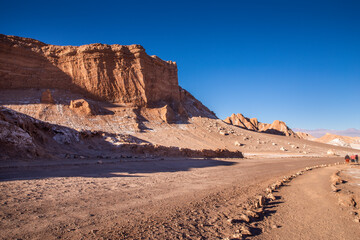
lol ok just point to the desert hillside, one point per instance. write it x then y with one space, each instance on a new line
337 140
110 100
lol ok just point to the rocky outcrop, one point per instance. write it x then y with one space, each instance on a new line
115 73
46 97
305 136
82 107
277 127
167 114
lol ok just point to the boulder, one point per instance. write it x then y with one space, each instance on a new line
167 114
283 149
331 152
81 106
46 97
237 143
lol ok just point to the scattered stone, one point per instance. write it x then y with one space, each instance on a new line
334 188
274 144
238 144
245 230
223 133
283 149
261 200
331 152
237 235
244 218
252 214
274 226
271 197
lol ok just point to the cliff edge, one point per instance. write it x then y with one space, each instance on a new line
114 73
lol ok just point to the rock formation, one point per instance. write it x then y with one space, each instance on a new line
305 136
277 127
82 106
46 97
167 114
116 73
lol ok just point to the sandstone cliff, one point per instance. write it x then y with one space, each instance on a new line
277 127
115 73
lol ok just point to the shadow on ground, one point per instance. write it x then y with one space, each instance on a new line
119 168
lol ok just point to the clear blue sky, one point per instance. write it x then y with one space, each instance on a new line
297 61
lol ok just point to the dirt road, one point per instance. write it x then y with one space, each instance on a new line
157 199
308 209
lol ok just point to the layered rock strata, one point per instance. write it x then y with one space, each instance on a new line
115 73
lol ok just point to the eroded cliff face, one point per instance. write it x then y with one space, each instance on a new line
115 73
277 127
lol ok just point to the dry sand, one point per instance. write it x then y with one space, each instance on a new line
158 199
307 208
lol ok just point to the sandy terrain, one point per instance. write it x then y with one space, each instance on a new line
161 199
307 208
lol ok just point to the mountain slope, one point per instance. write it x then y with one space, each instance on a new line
277 127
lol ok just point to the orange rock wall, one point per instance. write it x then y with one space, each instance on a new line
116 73
277 127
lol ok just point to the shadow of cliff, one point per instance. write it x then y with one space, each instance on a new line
59 151
110 169
274 132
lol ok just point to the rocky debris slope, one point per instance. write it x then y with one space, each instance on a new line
277 127
26 137
337 140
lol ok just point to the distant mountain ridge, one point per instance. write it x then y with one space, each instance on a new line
350 132
277 127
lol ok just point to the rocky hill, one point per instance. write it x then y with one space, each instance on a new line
337 140
277 127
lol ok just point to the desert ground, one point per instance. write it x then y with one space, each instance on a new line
172 199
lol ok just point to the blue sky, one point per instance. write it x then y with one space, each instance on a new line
297 61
